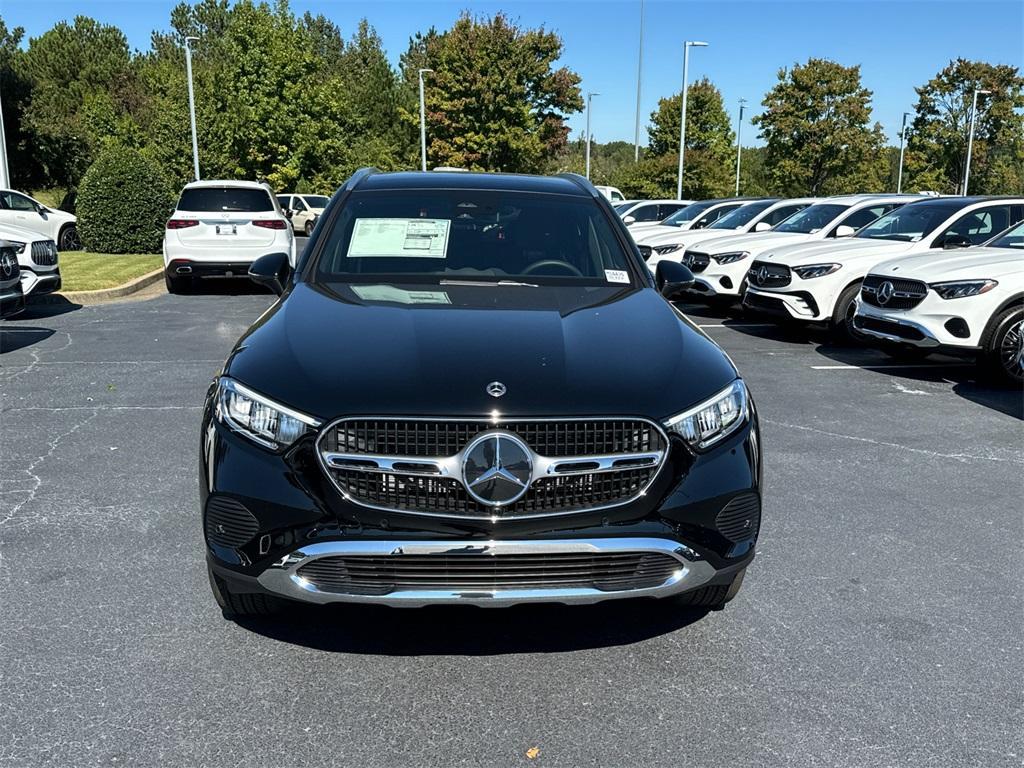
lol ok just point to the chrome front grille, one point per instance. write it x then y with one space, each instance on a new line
696 261
904 294
765 274
416 465
44 253
484 572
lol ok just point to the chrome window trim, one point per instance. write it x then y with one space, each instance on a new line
455 471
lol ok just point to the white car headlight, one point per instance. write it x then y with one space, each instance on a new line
816 270
18 246
959 289
258 418
661 250
729 258
717 417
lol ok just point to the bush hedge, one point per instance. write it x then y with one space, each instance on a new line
123 203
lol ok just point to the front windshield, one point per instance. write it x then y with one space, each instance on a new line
911 222
685 215
811 219
1011 238
742 215
316 201
473 236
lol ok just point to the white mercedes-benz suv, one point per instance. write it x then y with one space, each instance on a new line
694 216
720 266
219 228
819 282
37 259
964 301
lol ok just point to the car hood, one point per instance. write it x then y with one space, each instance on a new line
755 242
328 351
687 237
20 234
642 233
967 264
843 250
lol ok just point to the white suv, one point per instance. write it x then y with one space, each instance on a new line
37 259
19 210
639 212
720 266
695 216
819 282
303 210
963 301
219 228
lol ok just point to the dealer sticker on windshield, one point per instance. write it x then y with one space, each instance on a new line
616 276
400 238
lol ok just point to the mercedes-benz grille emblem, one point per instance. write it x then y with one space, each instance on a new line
7 263
497 468
885 292
762 275
496 389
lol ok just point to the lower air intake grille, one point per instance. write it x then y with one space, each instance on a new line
381 575
228 522
740 518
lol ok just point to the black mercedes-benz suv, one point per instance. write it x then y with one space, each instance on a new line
471 390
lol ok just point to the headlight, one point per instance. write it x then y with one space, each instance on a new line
15 245
729 258
816 270
704 425
961 288
661 250
258 418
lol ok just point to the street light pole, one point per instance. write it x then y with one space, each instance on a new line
423 123
639 72
903 138
739 146
192 104
589 97
5 178
970 136
682 117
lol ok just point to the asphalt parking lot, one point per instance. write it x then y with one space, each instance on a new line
881 624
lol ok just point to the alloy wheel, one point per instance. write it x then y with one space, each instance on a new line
1011 350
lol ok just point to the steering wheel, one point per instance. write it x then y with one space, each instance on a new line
553 263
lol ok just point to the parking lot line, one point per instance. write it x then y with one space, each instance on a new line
887 367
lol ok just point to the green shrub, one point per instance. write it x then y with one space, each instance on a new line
123 204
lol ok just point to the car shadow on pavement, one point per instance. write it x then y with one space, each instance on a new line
50 305
470 630
13 338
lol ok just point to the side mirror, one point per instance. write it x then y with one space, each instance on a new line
845 230
951 241
271 271
288 213
762 226
627 220
672 279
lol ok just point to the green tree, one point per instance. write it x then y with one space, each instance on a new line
495 100
82 95
22 161
710 149
818 132
937 146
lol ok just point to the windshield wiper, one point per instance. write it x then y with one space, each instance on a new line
489 283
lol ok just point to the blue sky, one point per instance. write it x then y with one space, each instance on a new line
898 44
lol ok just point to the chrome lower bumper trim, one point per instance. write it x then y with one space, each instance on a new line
928 341
282 578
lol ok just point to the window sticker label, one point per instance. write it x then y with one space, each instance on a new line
400 238
616 276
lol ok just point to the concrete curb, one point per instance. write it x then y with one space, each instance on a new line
108 294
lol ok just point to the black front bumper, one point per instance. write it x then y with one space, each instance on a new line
290 513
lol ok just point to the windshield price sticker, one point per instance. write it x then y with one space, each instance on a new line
400 238
616 276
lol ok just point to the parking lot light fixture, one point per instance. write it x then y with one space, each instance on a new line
589 97
970 136
739 146
903 139
687 45
423 123
192 103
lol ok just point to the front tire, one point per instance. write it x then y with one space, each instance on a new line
68 239
308 228
842 317
241 605
713 597
1003 346
178 285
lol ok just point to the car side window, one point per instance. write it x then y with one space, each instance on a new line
646 213
978 226
19 202
712 216
781 214
298 204
664 211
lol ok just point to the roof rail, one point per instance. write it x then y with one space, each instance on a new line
358 177
581 182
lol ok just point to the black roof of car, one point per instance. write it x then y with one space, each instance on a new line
559 185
